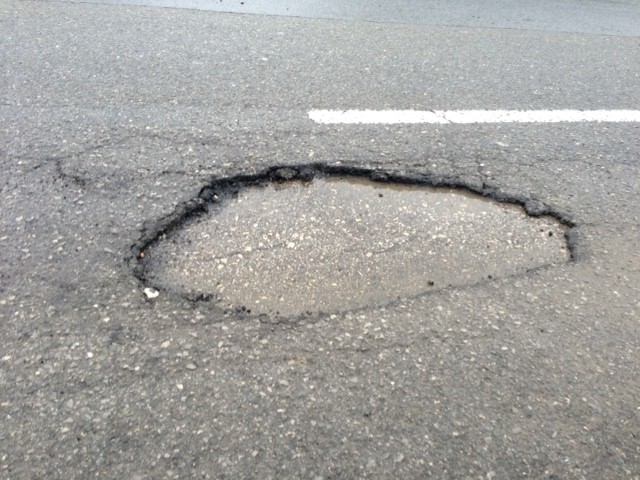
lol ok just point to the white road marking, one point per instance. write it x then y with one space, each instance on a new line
390 117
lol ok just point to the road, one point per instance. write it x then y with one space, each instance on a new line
111 116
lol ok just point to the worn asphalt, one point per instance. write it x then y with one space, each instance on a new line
113 116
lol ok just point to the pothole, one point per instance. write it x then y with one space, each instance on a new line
304 241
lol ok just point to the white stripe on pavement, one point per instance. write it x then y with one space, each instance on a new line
470 116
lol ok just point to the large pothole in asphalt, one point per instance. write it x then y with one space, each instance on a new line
299 241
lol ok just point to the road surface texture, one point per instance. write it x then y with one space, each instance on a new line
113 116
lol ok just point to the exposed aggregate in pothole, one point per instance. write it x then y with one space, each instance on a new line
310 242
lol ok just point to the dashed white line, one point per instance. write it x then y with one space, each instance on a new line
390 117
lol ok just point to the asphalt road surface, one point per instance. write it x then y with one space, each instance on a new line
112 116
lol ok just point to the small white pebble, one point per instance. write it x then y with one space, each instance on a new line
151 292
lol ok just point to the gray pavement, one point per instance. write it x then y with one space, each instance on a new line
605 17
111 116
